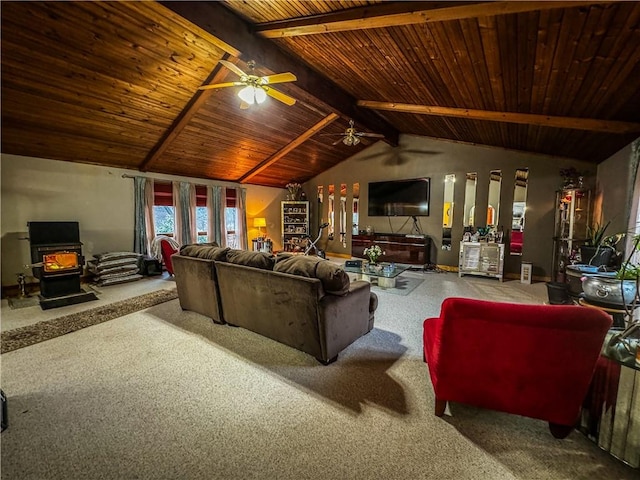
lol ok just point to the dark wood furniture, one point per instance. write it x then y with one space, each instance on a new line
399 248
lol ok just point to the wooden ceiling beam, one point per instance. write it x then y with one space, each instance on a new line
222 23
403 13
217 75
589 124
287 148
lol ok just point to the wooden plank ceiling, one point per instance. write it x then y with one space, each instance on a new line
116 83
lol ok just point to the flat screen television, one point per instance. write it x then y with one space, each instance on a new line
399 198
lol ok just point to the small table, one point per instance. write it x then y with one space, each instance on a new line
618 313
384 273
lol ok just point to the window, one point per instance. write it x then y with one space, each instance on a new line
202 214
231 218
164 213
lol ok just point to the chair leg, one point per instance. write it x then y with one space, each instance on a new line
441 405
560 431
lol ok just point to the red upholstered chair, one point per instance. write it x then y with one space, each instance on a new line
530 360
167 250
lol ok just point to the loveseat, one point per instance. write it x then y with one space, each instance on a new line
305 302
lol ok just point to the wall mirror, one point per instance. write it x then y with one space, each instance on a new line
320 199
447 210
355 209
331 213
493 210
470 199
343 214
519 208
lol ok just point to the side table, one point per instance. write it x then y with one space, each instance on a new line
611 411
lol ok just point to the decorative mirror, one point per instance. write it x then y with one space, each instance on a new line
332 224
320 200
493 210
447 211
355 208
343 214
519 208
470 200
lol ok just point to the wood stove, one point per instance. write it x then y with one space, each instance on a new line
57 261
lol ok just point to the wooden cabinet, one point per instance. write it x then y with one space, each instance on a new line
413 250
480 258
295 224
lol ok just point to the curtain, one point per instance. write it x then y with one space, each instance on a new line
216 205
241 218
144 229
148 210
184 200
140 228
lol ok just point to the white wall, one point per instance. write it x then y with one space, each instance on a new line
35 189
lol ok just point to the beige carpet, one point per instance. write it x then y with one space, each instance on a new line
167 394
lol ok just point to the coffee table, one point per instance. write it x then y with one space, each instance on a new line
384 273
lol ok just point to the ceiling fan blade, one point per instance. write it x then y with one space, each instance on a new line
284 98
372 135
244 105
220 85
279 78
337 142
333 134
233 67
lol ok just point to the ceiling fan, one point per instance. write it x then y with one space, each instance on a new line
351 137
256 88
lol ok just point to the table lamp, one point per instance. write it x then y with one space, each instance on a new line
259 222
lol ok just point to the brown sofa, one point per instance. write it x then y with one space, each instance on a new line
305 302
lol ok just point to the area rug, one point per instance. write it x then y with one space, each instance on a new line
48 329
404 286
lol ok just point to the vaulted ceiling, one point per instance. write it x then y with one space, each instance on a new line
117 83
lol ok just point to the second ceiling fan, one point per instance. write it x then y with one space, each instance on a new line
256 88
352 137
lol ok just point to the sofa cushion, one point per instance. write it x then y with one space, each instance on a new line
205 251
333 278
262 260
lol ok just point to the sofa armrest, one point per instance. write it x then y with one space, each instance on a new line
197 285
344 319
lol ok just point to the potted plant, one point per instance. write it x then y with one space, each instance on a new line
374 252
618 288
599 249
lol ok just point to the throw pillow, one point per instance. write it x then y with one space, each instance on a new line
207 252
333 278
262 260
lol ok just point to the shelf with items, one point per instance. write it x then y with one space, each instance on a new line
481 258
295 224
570 232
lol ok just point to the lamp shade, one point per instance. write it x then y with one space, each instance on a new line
259 222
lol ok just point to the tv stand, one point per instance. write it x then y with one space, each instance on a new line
400 248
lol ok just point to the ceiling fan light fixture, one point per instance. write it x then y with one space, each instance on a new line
260 95
350 140
247 95
251 95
